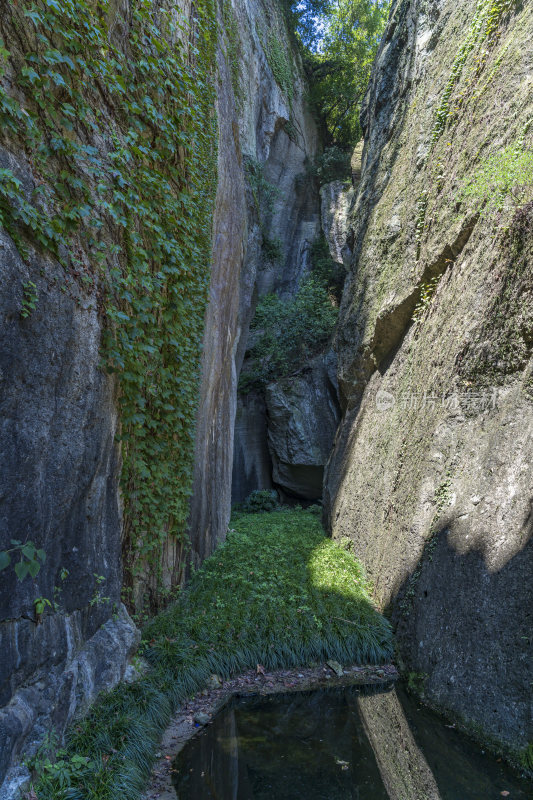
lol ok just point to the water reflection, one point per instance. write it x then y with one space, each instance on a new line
351 744
402 765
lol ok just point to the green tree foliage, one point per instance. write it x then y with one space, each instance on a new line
331 165
287 332
340 65
325 270
339 39
260 501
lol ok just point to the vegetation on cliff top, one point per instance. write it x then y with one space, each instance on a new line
339 39
286 333
277 593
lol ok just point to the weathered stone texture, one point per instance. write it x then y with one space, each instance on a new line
303 415
252 465
251 126
435 495
65 689
335 202
60 468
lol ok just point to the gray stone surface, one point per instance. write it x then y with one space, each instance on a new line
211 499
251 127
66 689
303 415
335 200
435 495
59 476
252 465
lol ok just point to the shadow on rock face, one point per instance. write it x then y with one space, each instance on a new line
467 628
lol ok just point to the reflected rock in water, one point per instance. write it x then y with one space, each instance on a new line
359 743
301 746
402 765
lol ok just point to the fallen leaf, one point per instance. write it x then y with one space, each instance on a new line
260 670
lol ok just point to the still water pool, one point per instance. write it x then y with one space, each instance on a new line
350 744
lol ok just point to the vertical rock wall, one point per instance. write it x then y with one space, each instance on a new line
431 476
260 123
60 469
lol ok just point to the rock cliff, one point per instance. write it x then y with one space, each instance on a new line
64 634
431 476
61 419
266 218
60 471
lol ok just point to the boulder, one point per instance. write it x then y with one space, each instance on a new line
303 414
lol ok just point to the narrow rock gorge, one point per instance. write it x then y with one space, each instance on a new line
194 310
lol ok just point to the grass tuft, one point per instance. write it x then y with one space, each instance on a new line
278 593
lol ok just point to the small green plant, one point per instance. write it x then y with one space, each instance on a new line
40 604
280 62
30 561
98 598
56 773
29 299
483 28
416 682
525 757
261 500
291 130
63 575
505 177
497 9
427 290
421 210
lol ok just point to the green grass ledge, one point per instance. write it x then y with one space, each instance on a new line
278 593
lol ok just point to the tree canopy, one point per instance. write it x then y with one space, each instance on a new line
340 39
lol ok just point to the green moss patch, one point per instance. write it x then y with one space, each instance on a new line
277 593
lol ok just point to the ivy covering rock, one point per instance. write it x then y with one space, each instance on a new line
116 118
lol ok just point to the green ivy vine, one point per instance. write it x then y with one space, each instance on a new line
483 28
115 118
279 59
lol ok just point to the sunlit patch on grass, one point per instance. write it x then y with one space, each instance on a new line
276 593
